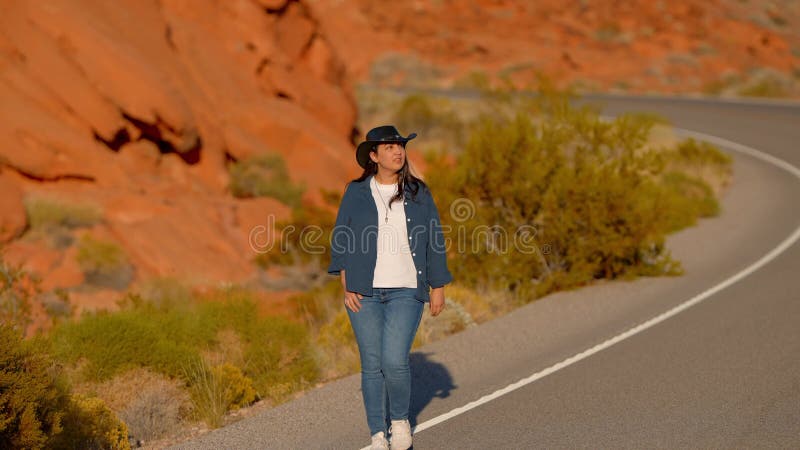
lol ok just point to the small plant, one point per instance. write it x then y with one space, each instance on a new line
216 390
453 319
49 213
17 289
766 86
477 79
104 263
264 176
90 424
150 404
57 305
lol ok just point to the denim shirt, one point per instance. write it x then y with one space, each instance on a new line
354 239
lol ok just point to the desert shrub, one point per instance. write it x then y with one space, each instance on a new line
553 197
109 343
104 263
57 304
216 390
90 424
278 358
453 319
722 84
165 292
228 348
50 213
482 304
207 392
38 410
167 337
151 415
17 289
765 86
239 390
33 393
264 176
478 79
150 404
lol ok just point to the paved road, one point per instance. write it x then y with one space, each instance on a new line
723 373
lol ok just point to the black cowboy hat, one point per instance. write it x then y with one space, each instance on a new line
379 135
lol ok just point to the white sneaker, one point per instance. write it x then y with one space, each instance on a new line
379 442
400 431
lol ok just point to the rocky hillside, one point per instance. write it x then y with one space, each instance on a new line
728 47
134 109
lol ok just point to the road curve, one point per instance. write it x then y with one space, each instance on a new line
724 372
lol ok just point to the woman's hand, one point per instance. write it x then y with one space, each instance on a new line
437 300
351 300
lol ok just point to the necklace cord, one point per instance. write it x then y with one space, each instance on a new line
386 208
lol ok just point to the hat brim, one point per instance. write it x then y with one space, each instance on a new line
362 152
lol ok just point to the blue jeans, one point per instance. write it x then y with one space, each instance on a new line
385 327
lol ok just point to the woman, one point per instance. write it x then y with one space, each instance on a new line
388 248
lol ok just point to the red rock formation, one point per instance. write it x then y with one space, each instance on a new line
138 105
638 46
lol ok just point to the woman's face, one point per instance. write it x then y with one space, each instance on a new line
390 156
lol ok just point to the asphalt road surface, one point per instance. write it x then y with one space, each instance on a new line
723 372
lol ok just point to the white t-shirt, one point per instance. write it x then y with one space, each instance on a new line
394 266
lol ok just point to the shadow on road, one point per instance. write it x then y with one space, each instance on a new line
429 379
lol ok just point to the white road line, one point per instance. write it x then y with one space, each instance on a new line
785 244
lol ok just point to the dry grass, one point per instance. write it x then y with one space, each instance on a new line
229 349
150 404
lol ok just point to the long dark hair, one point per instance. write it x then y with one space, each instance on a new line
405 178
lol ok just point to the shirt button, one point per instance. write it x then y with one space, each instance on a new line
420 272
409 220
413 254
405 203
409 237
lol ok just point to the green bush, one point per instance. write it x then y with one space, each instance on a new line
110 343
33 394
36 408
47 213
770 87
17 288
104 263
90 424
264 176
588 198
217 390
168 337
